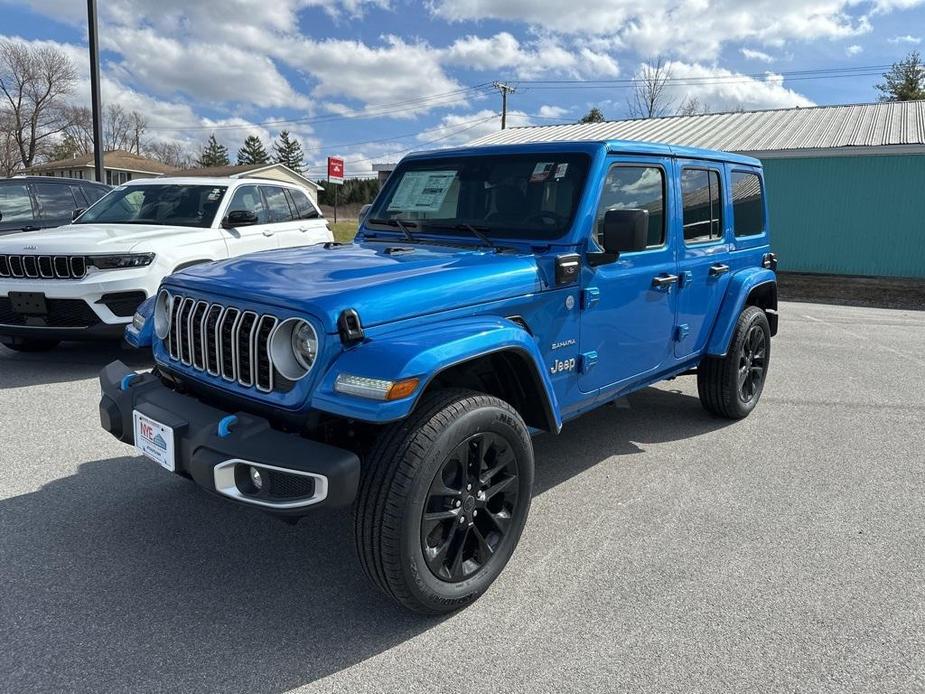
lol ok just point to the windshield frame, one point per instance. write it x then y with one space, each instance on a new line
127 189
454 227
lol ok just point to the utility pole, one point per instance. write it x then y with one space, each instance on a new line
95 90
504 89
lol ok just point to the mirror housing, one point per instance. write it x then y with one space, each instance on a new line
239 218
364 211
76 213
625 231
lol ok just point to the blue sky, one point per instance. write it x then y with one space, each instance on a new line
370 79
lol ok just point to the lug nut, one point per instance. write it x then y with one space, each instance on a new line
469 487
475 513
458 503
462 519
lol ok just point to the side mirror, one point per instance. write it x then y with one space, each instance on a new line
364 211
239 218
625 231
76 213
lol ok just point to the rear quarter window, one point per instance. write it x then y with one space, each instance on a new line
747 204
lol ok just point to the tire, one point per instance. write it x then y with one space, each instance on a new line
719 385
414 467
29 344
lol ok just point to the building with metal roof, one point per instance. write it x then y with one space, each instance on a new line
845 184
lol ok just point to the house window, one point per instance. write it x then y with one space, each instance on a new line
702 205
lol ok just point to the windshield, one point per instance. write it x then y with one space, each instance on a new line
512 196
169 204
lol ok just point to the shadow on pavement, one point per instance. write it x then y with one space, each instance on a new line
123 577
70 361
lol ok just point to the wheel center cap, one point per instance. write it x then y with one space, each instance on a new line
469 504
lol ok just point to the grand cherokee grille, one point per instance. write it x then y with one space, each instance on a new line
222 341
48 267
62 313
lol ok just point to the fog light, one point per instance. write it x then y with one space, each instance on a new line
256 478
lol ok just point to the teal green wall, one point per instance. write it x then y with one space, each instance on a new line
862 215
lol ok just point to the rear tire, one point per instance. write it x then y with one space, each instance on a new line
425 537
29 344
731 386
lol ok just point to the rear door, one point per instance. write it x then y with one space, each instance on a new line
252 237
56 203
628 306
312 227
16 210
284 222
703 261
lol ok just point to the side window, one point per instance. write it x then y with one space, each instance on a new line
79 196
702 205
747 204
248 198
303 205
276 201
15 204
55 201
632 187
93 193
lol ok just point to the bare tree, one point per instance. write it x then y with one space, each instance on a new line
121 129
9 150
692 106
650 97
33 84
171 153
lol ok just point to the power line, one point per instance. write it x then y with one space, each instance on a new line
505 89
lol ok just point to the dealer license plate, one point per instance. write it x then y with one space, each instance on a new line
154 440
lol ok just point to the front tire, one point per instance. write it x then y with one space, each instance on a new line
443 499
731 386
30 344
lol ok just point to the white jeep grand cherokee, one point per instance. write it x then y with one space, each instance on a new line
85 280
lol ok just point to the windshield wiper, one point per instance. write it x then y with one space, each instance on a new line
478 233
396 223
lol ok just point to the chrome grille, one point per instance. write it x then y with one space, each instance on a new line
222 341
62 267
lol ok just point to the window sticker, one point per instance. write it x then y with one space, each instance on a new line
214 194
422 191
560 171
542 171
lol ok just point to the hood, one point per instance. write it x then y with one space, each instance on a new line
382 286
88 238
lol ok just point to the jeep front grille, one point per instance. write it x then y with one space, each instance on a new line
47 267
222 341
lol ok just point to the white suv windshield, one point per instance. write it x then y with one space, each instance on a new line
168 204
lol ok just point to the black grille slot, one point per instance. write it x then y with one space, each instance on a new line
285 486
196 325
244 340
183 322
30 265
226 333
62 313
123 304
173 343
78 266
263 366
16 266
211 338
4 266
62 267
46 269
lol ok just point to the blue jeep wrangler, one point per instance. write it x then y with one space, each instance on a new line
492 293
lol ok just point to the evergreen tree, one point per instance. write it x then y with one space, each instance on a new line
253 152
213 154
595 115
905 81
67 148
288 151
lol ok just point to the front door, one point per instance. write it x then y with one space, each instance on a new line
704 252
628 306
253 237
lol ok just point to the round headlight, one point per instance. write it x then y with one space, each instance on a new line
294 348
162 310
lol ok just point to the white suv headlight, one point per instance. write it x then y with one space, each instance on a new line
163 309
294 348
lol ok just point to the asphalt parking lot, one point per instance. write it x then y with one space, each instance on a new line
666 550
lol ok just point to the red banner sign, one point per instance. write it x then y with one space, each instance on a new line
335 170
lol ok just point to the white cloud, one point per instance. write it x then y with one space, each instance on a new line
546 111
908 38
752 54
459 128
699 28
854 49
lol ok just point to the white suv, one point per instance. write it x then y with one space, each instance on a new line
85 280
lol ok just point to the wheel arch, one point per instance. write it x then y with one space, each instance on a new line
751 287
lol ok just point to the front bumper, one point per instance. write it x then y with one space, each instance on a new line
216 462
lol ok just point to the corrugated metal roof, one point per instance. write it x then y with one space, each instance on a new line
819 127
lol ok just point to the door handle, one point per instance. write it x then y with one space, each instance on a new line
269 233
717 270
664 281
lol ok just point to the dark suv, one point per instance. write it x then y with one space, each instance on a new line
29 203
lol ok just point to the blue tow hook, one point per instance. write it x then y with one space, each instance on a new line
224 426
127 381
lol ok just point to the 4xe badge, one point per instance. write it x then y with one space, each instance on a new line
563 365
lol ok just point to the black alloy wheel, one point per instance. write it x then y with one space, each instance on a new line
469 507
752 363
